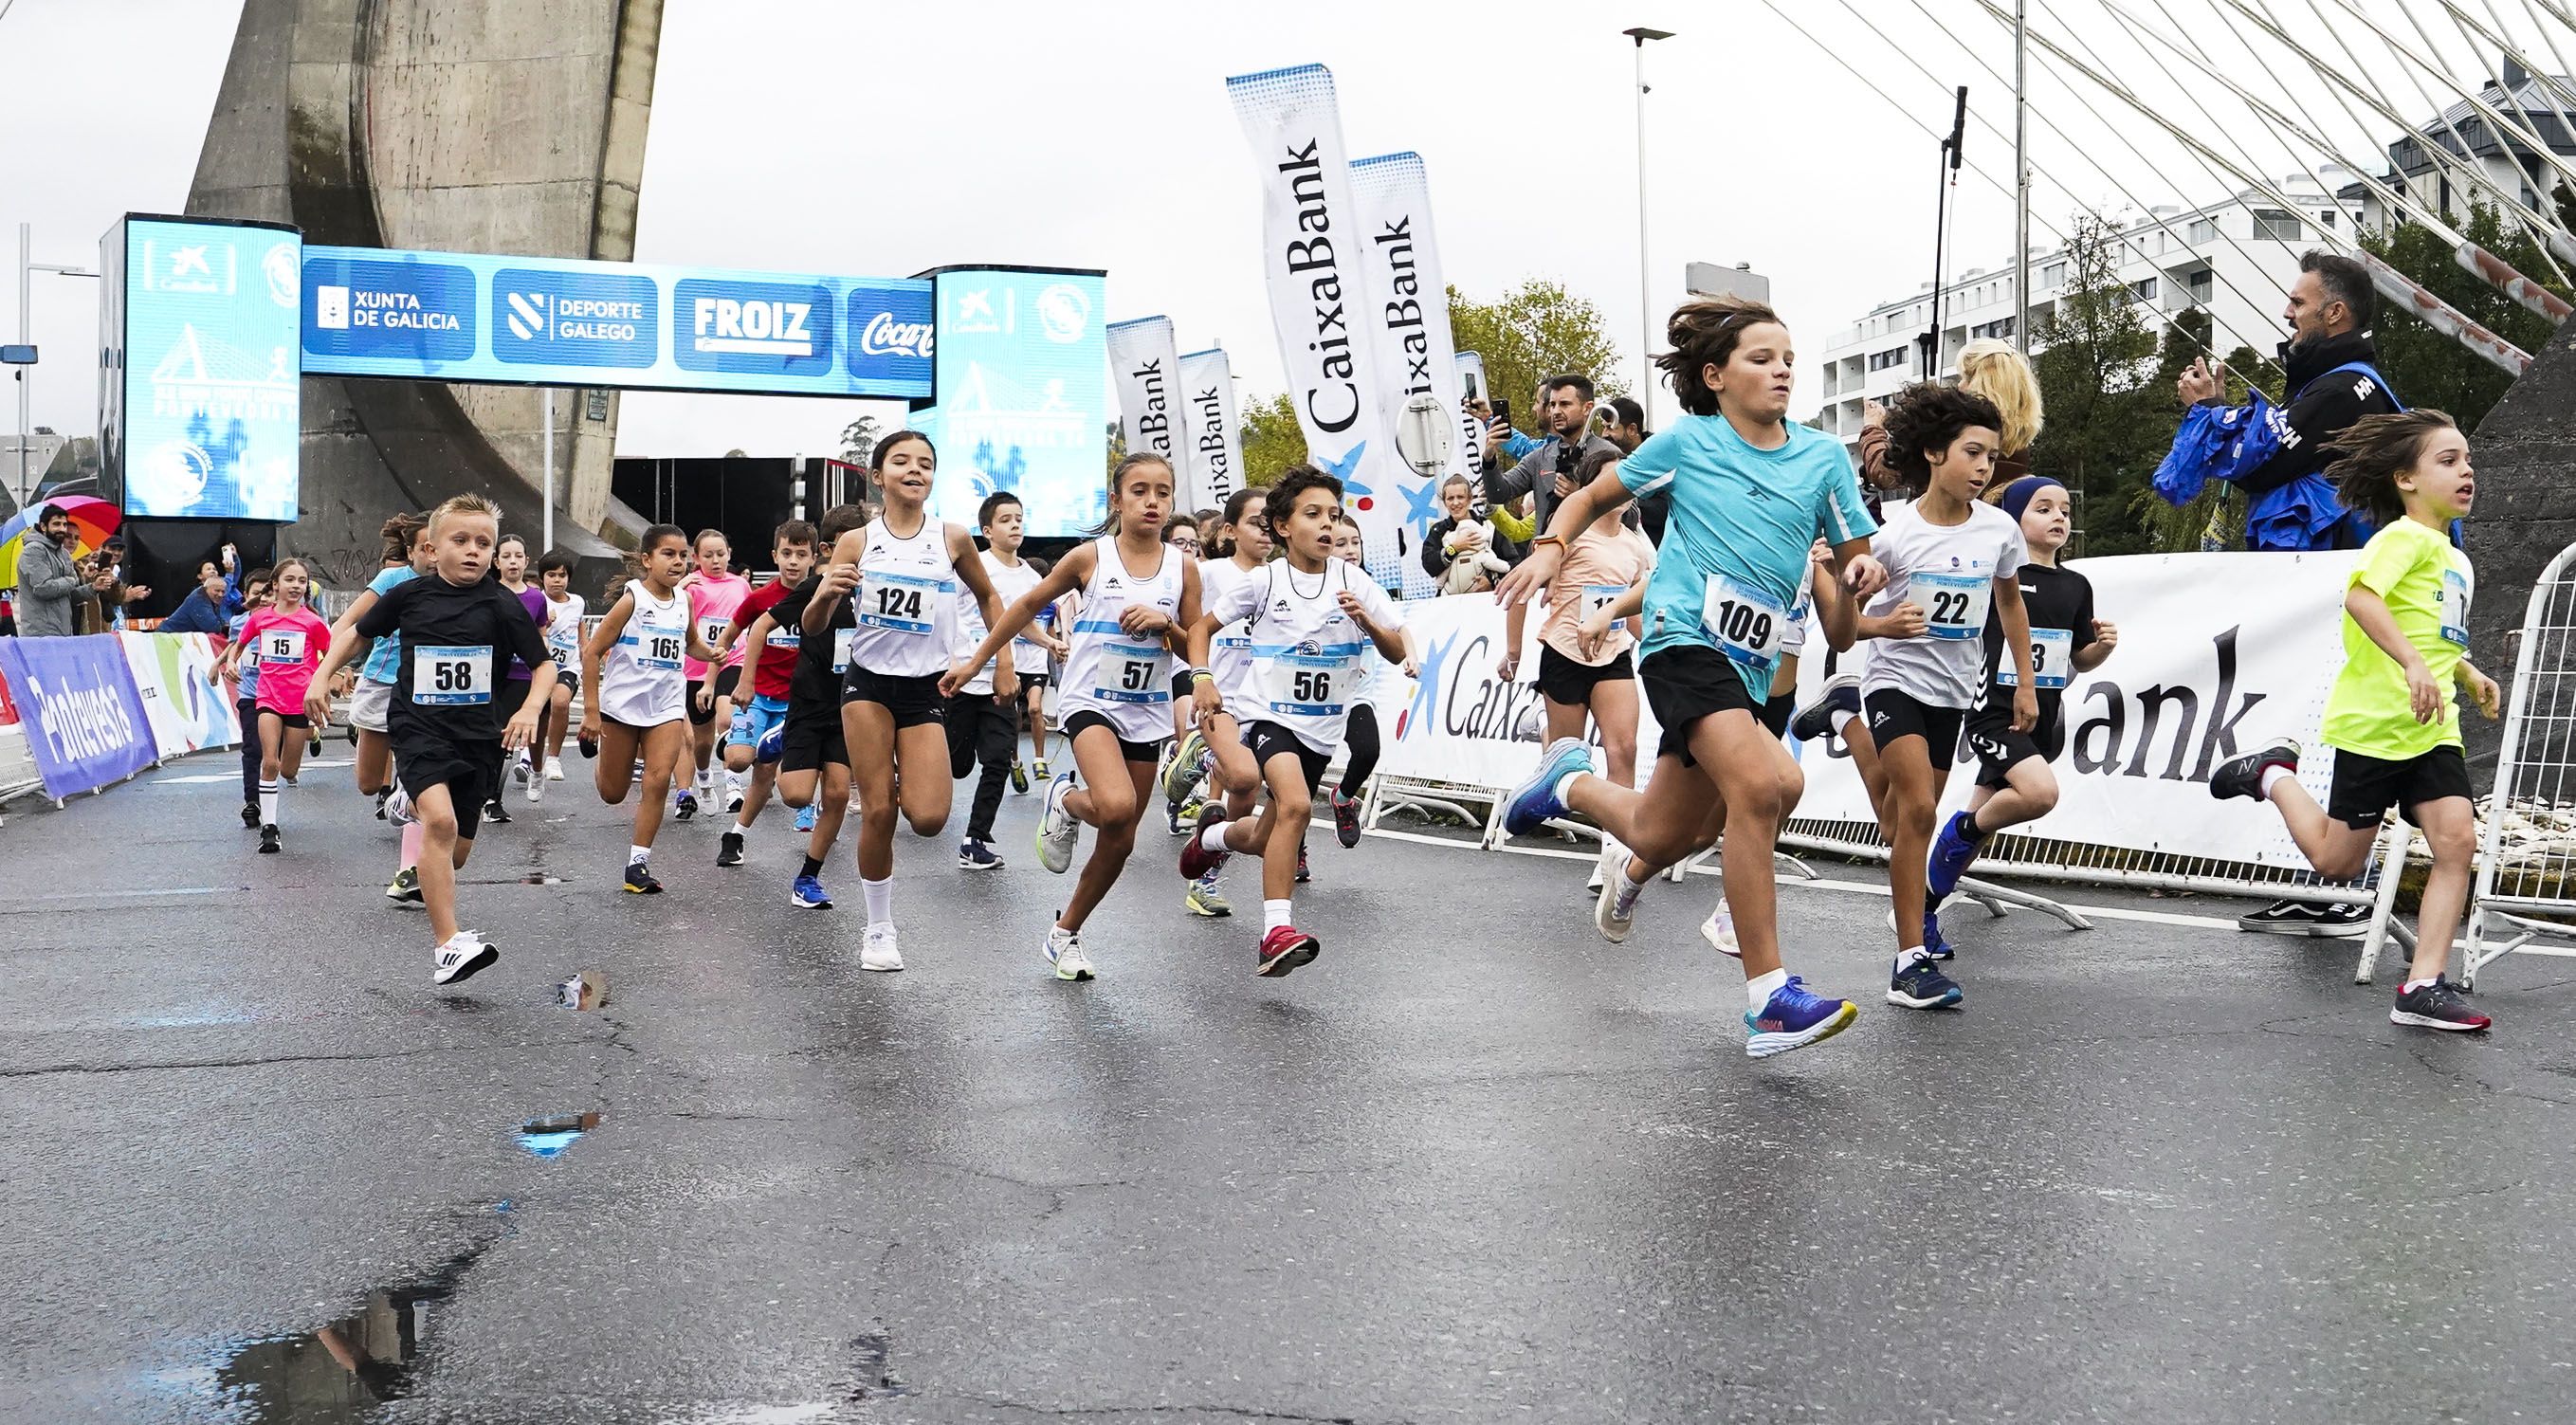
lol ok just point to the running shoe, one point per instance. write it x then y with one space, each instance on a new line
405 889
1206 900
1283 950
1952 850
1614 914
1180 819
1057 830
733 805
1304 876
640 882
1719 931
250 816
1037 769
807 894
729 849
688 807
1793 1019
496 813
462 957
1020 778
398 808
1197 862
2307 918
536 790
1841 694
1181 774
877 950
2436 1006
805 816
1933 944
269 844
520 773
554 769
1921 985
380 804
1346 819
2243 776
1064 951
975 855
1534 803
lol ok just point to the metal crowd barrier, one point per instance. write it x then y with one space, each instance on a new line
2522 899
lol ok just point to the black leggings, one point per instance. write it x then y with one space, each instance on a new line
250 748
1361 737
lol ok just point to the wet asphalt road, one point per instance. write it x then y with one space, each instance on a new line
1471 1165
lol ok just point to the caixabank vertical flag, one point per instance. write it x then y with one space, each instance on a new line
200 413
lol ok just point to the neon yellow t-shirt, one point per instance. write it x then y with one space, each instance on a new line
2427 584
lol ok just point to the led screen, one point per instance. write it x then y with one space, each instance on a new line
1022 372
208 422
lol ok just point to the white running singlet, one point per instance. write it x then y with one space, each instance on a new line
906 603
640 680
1230 652
1125 679
1307 657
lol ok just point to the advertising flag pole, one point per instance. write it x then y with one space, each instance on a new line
550 469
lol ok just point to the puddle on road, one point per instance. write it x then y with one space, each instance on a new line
548 1137
876 1377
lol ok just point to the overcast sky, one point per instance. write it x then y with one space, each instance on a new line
814 135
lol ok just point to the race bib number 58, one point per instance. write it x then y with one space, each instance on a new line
451 675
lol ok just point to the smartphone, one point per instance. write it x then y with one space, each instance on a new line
1503 409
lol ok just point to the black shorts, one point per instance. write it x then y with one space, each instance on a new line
1563 680
471 772
1777 712
727 679
511 696
1892 714
287 719
1685 683
1999 749
2366 787
980 730
1038 679
568 680
1150 753
1268 739
1184 687
913 701
812 739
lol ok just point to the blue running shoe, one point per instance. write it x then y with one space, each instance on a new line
1952 850
1534 802
1921 985
1933 944
1793 1019
805 818
808 894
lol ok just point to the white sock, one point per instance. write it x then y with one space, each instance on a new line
638 855
1274 914
1629 885
879 898
742 819
268 795
1838 719
1911 954
1757 991
2411 986
2273 777
1565 787
1213 839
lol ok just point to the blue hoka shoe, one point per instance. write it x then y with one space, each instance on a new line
1794 1019
1533 803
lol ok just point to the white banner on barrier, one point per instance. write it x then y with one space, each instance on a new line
2218 654
1211 428
1145 370
189 707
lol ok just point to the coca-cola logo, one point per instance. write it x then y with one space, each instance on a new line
885 336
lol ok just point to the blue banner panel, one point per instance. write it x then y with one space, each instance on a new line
1023 364
84 721
566 322
212 420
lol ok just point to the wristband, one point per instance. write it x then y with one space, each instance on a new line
1198 674
1548 539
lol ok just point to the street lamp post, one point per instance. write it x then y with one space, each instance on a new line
27 267
1645 298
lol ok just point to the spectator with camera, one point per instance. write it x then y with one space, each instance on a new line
1546 474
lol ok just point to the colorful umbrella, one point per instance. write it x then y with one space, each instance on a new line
93 520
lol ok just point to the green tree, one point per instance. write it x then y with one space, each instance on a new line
2108 420
2429 369
859 439
1272 440
1534 331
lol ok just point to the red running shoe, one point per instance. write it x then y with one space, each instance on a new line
1195 860
1284 949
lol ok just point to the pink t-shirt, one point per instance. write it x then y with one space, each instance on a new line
711 606
289 646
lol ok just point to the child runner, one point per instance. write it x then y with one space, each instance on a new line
900 575
459 629
510 565
1138 590
562 625
714 591
244 672
981 727
756 737
1212 760
2391 717
631 667
813 758
1311 618
1749 491
1601 564
284 641
1953 565
407 556
2014 783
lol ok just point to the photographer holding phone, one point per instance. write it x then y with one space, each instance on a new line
1546 474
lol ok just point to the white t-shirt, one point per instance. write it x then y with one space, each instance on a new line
1230 651
1123 677
1009 582
906 602
1308 659
1948 571
640 680
563 631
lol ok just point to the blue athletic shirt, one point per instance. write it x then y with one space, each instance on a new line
384 661
247 675
1741 515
